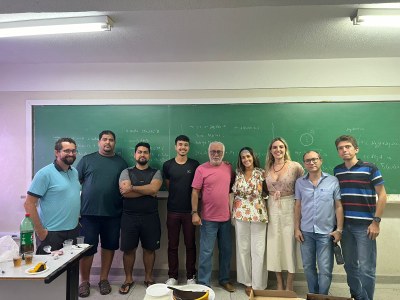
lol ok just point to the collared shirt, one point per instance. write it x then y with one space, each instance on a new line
357 186
59 197
317 203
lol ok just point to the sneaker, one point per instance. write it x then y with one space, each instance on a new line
171 281
191 281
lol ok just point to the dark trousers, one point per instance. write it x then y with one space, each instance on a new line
55 239
174 223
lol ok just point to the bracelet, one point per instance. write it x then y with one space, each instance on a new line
194 212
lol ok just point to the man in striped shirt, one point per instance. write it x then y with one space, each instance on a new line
360 182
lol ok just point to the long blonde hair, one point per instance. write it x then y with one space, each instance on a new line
269 161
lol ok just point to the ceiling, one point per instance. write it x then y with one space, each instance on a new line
194 31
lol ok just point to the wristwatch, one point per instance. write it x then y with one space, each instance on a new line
194 212
376 219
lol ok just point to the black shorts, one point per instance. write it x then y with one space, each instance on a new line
55 239
106 227
146 228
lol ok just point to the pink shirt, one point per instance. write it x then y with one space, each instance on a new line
214 181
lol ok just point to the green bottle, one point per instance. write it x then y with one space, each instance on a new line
26 230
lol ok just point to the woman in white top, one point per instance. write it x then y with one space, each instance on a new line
250 214
281 175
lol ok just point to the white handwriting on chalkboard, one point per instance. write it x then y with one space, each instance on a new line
210 127
354 129
381 144
247 128
389 166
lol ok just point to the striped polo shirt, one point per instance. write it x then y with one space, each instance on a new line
357 187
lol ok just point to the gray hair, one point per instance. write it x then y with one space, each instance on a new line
216 143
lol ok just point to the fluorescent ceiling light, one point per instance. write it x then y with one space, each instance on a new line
377 17
54 26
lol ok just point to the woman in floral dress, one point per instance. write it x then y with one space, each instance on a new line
250 215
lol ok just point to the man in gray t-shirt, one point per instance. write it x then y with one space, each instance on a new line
139 186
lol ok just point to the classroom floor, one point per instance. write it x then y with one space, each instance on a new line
382 291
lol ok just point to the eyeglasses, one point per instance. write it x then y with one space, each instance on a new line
219 152
68 151
311 160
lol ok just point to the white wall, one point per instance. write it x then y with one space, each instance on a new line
316 80
354 72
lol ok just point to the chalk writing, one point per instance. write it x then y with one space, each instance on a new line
306 139
377 144
246 128
354 129
210 127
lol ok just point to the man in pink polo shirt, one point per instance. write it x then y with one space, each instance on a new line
213 179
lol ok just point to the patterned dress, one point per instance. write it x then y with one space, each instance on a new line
249 205
250 215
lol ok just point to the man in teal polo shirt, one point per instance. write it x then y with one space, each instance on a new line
53 199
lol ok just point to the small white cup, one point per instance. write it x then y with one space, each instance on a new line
80 240
67 245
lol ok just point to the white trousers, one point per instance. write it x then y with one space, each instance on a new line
250 254
281 254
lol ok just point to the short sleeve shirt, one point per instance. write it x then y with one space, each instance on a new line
214 182
59 197
249 205
318 203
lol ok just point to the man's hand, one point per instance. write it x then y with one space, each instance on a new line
337 236
373 230
125 189
196 220
42 234
298 235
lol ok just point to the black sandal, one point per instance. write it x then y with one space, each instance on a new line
84 289
105 287
148 283
129 285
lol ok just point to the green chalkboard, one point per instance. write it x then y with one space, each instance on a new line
306 126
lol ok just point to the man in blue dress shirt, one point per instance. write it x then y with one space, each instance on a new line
318 222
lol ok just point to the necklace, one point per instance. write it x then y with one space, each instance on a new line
276 171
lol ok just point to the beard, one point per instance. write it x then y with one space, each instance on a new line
68 160
108 149
216 162
142 161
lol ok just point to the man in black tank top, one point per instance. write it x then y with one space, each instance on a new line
139 186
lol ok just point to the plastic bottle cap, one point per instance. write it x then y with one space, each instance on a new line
27 215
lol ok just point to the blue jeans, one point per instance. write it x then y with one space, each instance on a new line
359 253
209 232
317 248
